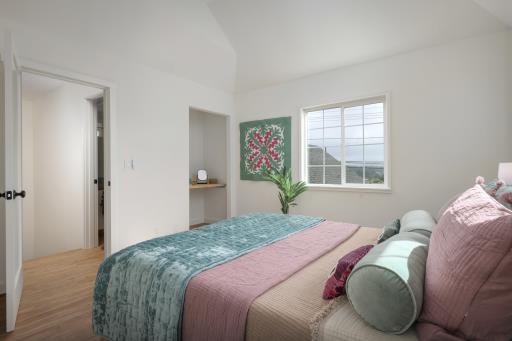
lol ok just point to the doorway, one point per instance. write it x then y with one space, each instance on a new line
97 162
12 211
62 165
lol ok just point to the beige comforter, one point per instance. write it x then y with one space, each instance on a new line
285 312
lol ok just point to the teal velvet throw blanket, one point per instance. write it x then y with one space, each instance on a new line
140 290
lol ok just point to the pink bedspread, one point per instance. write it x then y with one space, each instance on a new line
217 300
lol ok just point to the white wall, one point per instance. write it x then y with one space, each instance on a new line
54 135
208 150
216 163
150 127
450 121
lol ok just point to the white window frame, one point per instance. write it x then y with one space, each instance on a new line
382 188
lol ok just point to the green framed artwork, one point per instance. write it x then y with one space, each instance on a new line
264 145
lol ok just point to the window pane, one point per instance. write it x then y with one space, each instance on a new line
354 154
332 117
354 173
374 140
374 153
333 175
315 175
353 116
332 123
374 130
315 143
332 142
374 164
374 113
374 173
315 156
355 132
315 124
332 133
350 142
333 152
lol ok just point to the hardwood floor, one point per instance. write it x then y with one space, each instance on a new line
57 297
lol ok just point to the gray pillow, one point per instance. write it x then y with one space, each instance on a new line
385 288
389 230
418 221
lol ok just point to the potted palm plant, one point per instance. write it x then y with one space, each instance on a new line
288 191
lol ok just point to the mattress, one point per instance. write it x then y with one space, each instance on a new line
286 311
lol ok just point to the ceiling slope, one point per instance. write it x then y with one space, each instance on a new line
502 9
181 37
280 40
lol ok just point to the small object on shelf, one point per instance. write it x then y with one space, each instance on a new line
202 176
213 181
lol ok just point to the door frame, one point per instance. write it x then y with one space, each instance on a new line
109 122
91 223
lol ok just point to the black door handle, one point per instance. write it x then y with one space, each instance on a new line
19 194
7 195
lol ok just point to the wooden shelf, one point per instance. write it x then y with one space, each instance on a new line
206 186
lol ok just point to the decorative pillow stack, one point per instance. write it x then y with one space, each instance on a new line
385 288
468 280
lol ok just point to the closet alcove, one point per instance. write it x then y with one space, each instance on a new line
207 151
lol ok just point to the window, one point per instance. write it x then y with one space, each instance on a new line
345 145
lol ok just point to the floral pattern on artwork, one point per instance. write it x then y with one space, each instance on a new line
264 146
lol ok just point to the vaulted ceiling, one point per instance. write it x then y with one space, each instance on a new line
279 40
238 45
181 37
502 9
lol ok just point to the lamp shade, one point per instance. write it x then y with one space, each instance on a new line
505 172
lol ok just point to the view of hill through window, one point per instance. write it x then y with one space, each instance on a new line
345 145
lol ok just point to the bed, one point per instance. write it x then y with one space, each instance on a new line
262 280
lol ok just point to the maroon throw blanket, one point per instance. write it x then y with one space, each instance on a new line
217 300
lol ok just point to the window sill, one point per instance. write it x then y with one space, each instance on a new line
354 188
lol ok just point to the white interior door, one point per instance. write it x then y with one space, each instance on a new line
12 181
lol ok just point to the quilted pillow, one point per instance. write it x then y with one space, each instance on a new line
335 285
386 287
468 285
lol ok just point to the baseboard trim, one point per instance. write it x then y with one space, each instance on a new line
195 221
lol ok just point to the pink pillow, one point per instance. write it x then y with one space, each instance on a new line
335 285
468 279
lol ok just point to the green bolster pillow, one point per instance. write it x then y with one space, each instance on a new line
386 287
418 221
